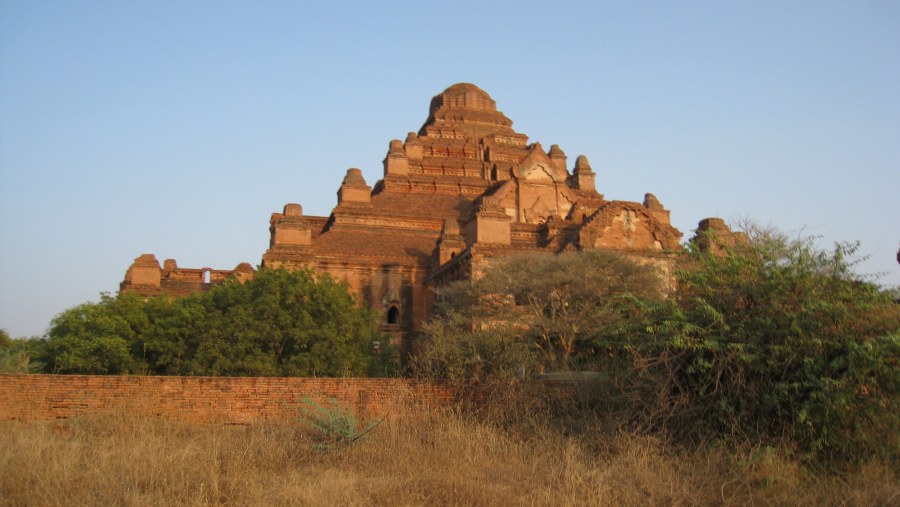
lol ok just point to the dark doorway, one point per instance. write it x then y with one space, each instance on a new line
393 315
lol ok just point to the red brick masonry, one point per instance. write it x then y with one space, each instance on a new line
230 400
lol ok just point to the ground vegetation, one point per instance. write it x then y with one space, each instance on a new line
440 458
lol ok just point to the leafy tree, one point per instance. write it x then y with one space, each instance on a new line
280 323
558 304
18 355
775 339
97 337
458 354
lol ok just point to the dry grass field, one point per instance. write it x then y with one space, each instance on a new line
441 459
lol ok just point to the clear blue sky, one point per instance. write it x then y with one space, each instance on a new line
176 128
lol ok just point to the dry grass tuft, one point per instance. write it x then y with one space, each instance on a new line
446 458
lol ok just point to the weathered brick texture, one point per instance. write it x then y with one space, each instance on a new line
230 400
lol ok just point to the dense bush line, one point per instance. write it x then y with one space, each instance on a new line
280 323
774 341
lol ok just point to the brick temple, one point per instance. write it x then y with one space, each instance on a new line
462 190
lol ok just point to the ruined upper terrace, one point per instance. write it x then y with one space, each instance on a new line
147 278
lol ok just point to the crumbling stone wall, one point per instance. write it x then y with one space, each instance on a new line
713 235
146 278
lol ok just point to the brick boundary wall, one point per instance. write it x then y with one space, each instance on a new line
228 400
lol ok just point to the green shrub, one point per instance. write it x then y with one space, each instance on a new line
333 426
775 340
